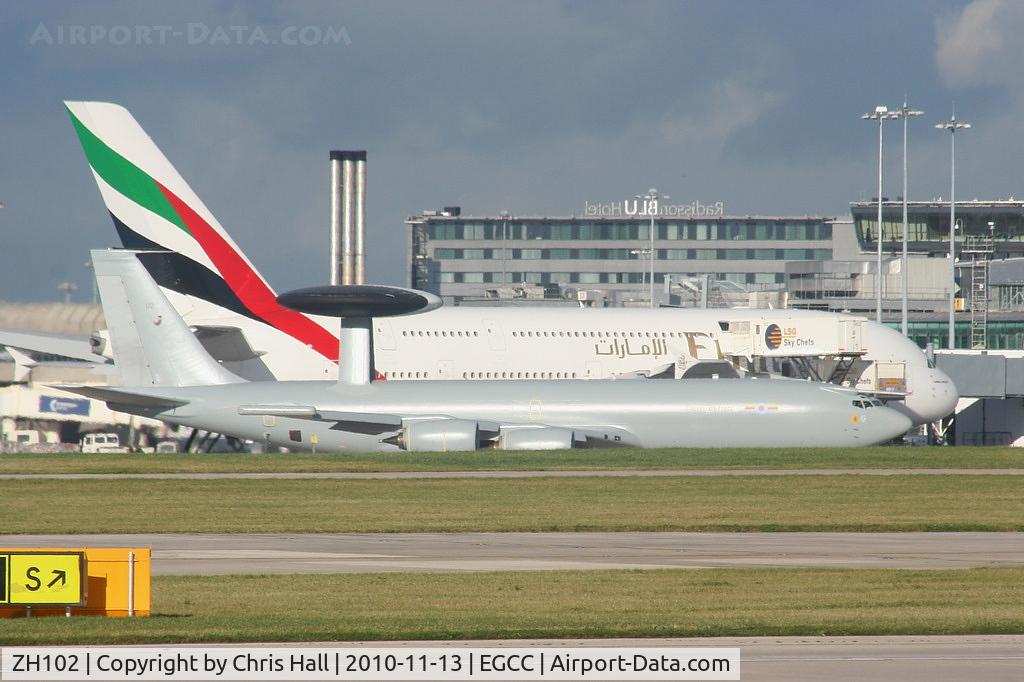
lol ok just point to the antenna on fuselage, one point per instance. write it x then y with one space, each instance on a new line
357 305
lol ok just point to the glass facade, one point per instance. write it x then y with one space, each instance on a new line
465 257
587 230
928 224
1002 335
631 254
518 277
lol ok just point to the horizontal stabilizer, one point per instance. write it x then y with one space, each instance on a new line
120 396
226 344
76 347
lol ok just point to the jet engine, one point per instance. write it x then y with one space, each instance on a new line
437 435
542 438
99 343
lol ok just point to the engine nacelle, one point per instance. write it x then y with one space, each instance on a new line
99 343
543 438
438 435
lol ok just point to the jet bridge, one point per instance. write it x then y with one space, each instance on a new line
991 388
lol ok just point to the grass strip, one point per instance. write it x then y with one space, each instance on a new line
739 503
558 604
579 460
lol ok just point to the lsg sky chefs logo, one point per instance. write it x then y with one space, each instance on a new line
645 208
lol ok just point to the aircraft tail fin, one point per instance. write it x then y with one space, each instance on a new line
152 345
154 208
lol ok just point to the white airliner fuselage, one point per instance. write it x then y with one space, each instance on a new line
581 343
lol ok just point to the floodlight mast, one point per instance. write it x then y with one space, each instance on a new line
880 114
906 113
952 125
651 198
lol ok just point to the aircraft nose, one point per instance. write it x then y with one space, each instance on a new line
946 395
886 424
931 399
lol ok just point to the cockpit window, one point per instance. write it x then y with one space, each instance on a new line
867 403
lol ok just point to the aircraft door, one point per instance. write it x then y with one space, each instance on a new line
383 336
593 370
850 339
444 370
495 336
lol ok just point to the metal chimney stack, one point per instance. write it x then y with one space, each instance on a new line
348 217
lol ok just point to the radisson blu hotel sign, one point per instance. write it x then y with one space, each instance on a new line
647 208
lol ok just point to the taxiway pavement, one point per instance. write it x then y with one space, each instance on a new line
191 554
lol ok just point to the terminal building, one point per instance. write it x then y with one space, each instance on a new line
989 277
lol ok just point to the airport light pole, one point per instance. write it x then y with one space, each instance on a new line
880 114
504 247
92 278
651 198
640 253
952 125
906 113
67 288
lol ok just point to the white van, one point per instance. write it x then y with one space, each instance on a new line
100 442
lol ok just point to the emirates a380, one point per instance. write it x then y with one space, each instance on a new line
235 314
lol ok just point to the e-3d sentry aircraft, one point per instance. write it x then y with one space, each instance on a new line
169 376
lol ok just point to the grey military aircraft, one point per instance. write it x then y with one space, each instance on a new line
166 374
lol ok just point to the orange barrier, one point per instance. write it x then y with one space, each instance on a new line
117 582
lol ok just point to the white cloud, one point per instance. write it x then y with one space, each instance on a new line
731 106
981 45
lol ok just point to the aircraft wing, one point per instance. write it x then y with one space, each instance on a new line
122 397
377 423
77 347
356 422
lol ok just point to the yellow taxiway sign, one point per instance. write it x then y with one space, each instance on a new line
42 578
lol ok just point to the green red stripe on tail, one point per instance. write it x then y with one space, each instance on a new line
252 291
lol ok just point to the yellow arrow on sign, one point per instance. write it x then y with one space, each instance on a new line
45 578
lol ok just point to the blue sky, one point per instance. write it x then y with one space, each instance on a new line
530 107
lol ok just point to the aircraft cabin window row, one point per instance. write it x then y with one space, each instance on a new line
519 375
485 375
563 334
597 334
439 333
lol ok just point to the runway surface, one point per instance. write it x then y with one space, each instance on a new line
604 473
190 554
